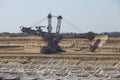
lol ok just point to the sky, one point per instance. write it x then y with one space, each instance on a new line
84 15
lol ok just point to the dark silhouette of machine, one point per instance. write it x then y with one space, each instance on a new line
51 39
95 45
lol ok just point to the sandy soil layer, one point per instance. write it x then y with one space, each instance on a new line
61 70
65 73
76 67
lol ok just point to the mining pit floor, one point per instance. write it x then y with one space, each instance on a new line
62 66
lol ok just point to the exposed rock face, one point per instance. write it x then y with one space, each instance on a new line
33 44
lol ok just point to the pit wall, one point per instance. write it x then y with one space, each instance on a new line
33 44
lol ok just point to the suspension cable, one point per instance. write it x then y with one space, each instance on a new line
39 22
68 22
72 25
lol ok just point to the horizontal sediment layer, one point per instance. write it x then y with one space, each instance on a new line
33 44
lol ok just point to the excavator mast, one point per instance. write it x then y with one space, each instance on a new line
49 28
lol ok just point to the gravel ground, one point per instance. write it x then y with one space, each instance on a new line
66 73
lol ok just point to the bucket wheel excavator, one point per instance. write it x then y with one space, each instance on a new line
52 39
